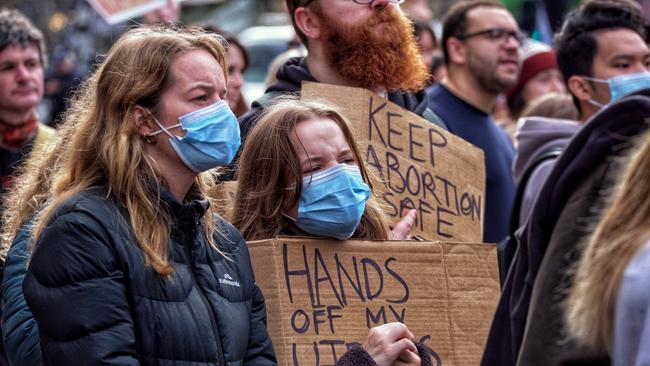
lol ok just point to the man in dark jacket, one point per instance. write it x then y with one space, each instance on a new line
367 44
601 39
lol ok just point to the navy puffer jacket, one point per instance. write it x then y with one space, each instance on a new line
97 303
19 329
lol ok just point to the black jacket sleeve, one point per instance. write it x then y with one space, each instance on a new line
76 291
357 356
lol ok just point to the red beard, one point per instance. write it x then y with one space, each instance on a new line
391 61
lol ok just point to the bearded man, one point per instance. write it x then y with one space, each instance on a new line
360 43
480 43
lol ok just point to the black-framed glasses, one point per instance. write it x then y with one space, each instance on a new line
496 34
361 2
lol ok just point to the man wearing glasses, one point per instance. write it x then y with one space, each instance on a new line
480 43
361 43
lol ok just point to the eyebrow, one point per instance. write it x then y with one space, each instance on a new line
346 152
310 161
200 85
628 56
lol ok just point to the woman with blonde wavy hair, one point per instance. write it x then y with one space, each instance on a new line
608 308
130 265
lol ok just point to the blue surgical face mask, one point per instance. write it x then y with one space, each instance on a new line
332 202
212 137
622 85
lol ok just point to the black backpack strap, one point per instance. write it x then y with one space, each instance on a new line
507 247
551 153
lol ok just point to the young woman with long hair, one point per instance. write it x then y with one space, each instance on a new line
609 305
127 252
303 175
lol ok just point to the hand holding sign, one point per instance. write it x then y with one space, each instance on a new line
402 230
388 342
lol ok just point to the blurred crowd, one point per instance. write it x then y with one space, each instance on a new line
114 250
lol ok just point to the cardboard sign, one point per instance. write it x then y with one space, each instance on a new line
115 11
416 164
322 296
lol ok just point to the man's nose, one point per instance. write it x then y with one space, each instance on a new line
22 72
379 4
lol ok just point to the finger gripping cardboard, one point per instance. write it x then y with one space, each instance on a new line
323 295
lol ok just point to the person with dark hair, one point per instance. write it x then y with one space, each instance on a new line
438 68
427 41
604 59
362 43
22 59
480 41
596 47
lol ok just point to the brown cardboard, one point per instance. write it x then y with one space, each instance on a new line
452 293
416 163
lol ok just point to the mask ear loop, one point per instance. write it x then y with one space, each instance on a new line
162 129
601 81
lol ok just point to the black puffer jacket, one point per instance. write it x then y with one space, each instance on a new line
97 303
528 327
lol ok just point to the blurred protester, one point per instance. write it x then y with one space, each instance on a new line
480 41
361 43
30 191
545 127
438 68
301 174
552 105
127 237
22 59
238 61
427 42
608 308
539 75
604 59
60 84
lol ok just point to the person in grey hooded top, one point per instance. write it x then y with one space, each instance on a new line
545 128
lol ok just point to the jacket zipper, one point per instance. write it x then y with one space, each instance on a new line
213 319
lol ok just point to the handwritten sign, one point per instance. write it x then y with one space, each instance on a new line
323 295
416 164
115 11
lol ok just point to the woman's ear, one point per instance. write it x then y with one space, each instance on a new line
144 123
